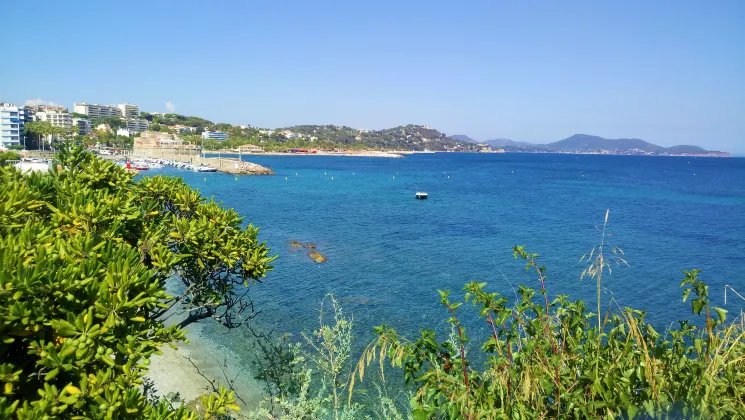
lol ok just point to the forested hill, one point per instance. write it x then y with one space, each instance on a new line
584 143
409 137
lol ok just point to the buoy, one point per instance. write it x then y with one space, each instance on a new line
285 178
295 173
236 178
205 180
324 173
394 177
332 178
448 176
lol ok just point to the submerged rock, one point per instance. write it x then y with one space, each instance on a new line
295 244
317 257
310 246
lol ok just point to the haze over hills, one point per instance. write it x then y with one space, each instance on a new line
584 143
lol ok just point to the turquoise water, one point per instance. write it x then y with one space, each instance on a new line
388 253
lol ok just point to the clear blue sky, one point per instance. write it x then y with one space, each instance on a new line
670 72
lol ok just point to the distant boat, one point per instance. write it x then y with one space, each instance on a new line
204 168
421 195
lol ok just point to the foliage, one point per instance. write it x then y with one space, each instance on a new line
85 253
550 359
113 122
6 156
288 370
43 129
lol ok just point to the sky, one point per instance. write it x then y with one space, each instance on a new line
670 72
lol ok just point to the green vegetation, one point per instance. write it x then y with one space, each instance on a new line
42 130
86 252
113 122
6 156
541 357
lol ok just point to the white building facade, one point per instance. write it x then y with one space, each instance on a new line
97 111
129 110
214 135
84 125
56 118
137 125
11 127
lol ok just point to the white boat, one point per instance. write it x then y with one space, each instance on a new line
204 168
421 195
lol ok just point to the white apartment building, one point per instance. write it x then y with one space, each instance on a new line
11 127
96 110
137 125
57 118
84 125
214 135
129 110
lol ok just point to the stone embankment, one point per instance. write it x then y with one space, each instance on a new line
234 166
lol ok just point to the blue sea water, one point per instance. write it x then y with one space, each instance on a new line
389 253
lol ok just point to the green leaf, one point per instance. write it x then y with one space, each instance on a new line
721 313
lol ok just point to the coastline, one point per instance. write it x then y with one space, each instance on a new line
391 155
172 373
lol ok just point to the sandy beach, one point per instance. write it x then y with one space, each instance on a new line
172 372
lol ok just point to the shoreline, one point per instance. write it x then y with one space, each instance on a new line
390 155
173 374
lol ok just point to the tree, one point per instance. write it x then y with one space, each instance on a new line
40 129
6 156
85 253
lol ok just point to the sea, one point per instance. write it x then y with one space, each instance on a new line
388 254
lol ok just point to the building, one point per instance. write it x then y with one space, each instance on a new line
57 118
137 125
83 124
11 131
42 108
97 111
215 135
123 132
129 110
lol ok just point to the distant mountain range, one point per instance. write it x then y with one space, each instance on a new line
584 143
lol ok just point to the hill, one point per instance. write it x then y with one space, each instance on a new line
463 137
587 142
408 137
508 142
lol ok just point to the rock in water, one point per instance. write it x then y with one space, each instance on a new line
310 246
317 257
295 244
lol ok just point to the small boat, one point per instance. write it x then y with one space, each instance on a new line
204 168
421 195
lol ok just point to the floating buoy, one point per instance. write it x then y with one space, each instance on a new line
295 173
236 178
332 178
324 173
205 180
448 176
285 178
394 177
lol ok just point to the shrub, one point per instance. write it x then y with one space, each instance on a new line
85 253
551 360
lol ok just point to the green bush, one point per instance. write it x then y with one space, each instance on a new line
85 253
550 359
6 156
